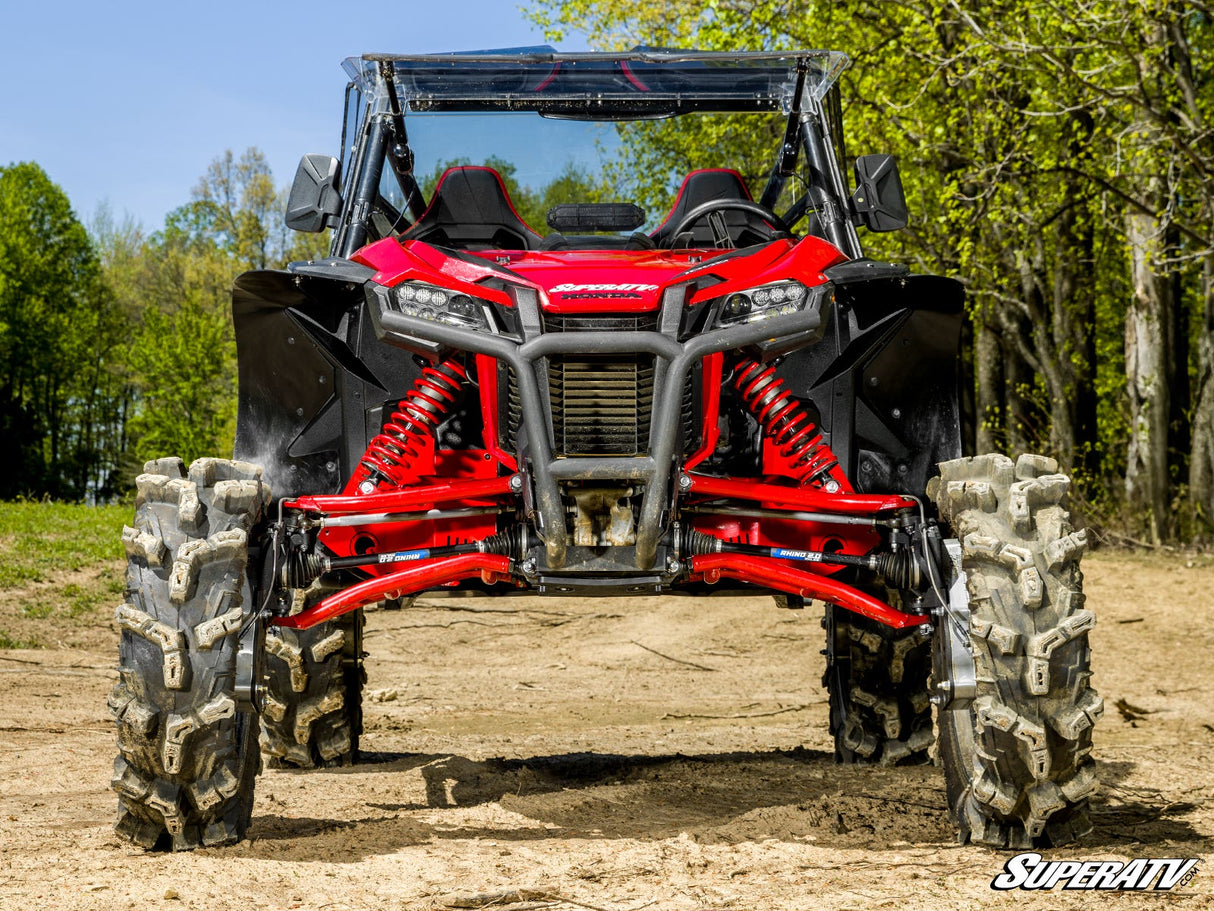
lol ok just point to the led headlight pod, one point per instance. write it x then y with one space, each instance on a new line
763 302
442 305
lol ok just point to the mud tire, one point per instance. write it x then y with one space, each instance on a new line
877 678
311 714
1017 761
187 759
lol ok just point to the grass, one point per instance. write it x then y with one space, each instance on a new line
7 641
38 540
61 570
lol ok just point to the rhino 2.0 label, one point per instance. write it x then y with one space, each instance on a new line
1030 871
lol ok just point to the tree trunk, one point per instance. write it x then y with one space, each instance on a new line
1021 417
988 370
1201 460
1074 330
1147 351
1179 390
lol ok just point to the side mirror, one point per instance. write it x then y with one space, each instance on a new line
315 200
879 202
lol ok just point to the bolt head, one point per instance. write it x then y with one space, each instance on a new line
684 483
529 566
516 483
925 630
673 565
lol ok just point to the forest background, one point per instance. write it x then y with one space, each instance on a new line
1058 159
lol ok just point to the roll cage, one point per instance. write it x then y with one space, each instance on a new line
636 85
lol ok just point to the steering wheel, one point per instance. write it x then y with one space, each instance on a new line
713 210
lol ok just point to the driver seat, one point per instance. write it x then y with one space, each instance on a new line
471 211
704 186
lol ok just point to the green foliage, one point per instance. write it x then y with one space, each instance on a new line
237 207
186 362
115 345
1026 133
175 288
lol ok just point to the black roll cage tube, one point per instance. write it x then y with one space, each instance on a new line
786 160
352 236
400 155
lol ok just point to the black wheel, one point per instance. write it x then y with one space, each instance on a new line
1017 758
877 678
187 757
311 714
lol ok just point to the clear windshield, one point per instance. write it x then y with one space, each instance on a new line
545 162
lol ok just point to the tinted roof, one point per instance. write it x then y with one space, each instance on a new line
637 83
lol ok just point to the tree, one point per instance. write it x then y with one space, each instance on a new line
57 329
237 204
188 392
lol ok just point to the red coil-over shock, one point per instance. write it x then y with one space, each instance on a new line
390 459
787 424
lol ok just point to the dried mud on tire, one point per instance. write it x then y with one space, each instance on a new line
535 751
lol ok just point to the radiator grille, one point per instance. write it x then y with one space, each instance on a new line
598 322
601 404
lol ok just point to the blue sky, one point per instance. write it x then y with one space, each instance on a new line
128 102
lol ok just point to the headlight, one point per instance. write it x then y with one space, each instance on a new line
442 305
753 304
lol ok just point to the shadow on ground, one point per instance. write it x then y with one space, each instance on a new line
797 795
717 798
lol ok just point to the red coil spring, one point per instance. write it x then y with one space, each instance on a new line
785 421
390 457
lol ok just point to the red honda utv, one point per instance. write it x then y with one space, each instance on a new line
723 395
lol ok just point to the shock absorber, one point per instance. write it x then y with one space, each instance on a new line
390 458
787 424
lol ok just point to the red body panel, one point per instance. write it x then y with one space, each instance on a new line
573 282
394 262
594 281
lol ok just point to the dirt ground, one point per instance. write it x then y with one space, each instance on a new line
610 754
